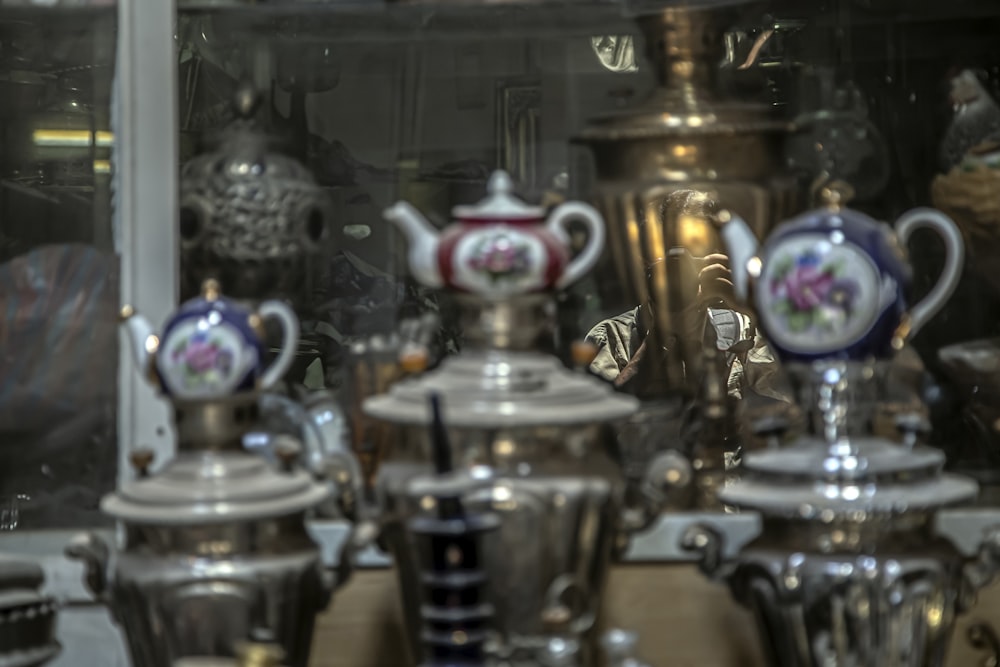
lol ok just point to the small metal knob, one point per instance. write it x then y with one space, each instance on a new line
246 100
835 195
260 651
556 618
141 459
584 352
414 359
560 652
288 450
618 643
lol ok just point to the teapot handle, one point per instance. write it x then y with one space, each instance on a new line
591 252
289 345
954 257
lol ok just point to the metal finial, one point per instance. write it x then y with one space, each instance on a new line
500 183
832 193
246 100
211 290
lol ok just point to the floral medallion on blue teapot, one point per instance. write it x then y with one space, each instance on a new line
212 347
834 283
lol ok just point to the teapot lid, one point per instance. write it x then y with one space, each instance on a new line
500 204
214 487
502 389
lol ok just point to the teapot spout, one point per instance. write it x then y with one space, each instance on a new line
423 240
742 246
144 341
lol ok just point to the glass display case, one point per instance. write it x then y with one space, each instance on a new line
155 152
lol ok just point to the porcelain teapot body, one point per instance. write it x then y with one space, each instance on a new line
835 283
500 247
212 347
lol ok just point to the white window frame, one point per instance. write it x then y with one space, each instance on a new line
144 122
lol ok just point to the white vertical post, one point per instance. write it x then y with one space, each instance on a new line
145 205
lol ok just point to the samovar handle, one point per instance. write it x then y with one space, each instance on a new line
666 483
95 555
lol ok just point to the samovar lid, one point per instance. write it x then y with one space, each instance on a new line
500 205
684 44
666 113
213 487
495 389
874 476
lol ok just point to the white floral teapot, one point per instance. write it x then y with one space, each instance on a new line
500 247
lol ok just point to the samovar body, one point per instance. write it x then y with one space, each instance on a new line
894 604
248 575
659 169
529 436
557 492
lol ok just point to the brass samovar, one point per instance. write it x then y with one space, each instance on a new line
662 173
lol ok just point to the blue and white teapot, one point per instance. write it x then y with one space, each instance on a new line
834 283
212 347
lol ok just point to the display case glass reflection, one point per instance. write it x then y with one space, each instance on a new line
421 103
58 266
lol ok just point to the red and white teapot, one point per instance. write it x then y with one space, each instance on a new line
500 247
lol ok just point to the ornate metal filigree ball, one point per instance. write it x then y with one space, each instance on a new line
250 216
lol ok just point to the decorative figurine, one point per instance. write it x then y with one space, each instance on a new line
849 567
215 543
527 433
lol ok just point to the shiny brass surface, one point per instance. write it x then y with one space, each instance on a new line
666 172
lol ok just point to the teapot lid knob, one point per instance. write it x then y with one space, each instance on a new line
246 100
500 183
211 290
834 194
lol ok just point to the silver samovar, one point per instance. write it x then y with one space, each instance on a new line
215 543
527 436
27 618
849 568
661 171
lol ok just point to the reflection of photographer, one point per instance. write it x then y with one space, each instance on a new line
658 349
623 340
